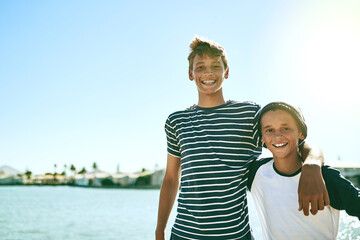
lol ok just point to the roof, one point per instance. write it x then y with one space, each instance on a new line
9 170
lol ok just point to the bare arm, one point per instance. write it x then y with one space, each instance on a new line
169 189
312 187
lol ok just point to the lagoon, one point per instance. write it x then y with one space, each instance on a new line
64 212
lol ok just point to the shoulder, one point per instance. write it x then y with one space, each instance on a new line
334 179
329 172
258 163
342 192
179 115
254 167
244 104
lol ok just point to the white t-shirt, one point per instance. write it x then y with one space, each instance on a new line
276 201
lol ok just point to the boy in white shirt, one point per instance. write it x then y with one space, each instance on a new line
273 181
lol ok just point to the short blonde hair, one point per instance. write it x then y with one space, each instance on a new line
201 46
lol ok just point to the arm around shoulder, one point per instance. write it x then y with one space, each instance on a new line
311 185
168 192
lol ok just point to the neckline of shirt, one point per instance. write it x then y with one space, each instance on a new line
213 108
286 175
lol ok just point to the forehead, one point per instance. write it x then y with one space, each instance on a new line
277 117
206 58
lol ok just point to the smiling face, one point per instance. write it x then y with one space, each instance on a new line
208 74
280 133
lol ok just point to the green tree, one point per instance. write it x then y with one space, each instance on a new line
73 169
143 180
107 182
64 172
28 174
83 170
95 167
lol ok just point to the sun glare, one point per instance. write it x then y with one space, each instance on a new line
330 64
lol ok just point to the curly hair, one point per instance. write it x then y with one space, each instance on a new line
201 46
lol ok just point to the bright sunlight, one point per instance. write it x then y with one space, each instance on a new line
330 63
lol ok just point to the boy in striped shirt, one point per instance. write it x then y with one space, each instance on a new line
209 150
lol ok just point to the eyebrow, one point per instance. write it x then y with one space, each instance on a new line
268 126
213 62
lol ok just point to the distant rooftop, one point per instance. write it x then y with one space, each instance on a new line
9 170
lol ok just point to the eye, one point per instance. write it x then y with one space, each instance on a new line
199 68
269 130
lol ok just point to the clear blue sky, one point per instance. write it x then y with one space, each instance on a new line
94 81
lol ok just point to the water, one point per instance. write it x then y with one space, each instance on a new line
31 212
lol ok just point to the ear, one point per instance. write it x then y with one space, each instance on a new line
226 73
301 136
191 76
263 142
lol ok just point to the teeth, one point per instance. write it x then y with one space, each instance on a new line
280 144
208 82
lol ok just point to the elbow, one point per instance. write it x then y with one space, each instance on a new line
171 180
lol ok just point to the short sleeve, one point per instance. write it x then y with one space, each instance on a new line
256 128
172 141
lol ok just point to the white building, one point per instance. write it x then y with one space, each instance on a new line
157 177
92 179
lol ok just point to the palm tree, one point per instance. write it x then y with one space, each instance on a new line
28 174
73 169
95 167
55 180
64 172
83 170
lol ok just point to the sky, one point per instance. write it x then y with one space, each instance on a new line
94 81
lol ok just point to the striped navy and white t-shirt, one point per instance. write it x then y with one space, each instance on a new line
216 146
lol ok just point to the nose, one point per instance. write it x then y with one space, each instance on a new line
208 71
278 133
